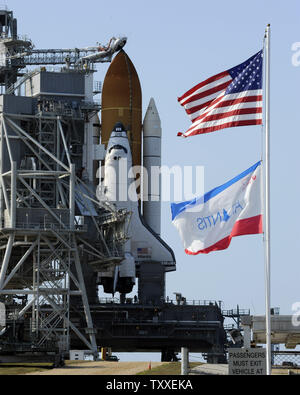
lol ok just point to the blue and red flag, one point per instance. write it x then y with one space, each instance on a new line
233 209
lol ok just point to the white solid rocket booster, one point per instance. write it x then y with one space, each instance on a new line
152 160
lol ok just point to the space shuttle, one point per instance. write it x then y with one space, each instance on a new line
119 188
132 147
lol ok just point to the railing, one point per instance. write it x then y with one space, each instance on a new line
97 86
46 226
25 38
164 301
109 301
235 313
193 302
90 105
229 327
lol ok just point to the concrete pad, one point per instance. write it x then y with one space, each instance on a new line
210 369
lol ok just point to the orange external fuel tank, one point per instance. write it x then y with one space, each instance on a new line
122 102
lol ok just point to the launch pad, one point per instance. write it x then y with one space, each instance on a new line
163 328
58 240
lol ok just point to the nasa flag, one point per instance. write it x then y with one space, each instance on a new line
234 209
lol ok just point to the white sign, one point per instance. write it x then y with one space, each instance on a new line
247 362
2 315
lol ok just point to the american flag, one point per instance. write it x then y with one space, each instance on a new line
228 99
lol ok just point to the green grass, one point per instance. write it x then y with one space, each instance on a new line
170 369
13 369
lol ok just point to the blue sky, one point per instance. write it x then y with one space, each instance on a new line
175 45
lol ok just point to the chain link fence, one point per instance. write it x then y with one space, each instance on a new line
286 359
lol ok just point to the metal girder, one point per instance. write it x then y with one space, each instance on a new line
35 142
50 211
5 262
19 264
54 294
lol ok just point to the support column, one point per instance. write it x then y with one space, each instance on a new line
1 172
72 197
6 260
184 361
90 329
247 324
13 197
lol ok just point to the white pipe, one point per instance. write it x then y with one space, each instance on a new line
184 361
72 197
13 205
267 207
33 163
64 141
114 45
6 260
1 172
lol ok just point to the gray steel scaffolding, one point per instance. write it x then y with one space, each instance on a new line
45 244
41 240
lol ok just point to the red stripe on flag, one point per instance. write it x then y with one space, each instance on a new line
226 103
245 99
206 82
241 111
209 92
248 226
223 126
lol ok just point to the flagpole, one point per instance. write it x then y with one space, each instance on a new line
267 206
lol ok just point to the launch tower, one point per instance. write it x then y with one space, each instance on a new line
55 235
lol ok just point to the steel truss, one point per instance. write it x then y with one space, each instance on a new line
41 240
